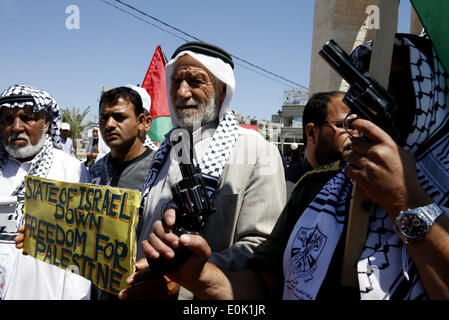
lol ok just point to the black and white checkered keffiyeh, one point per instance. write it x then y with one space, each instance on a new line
314 238
42 101
150 144
386 270
211 164
42 162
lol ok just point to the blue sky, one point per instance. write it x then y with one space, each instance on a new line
112 48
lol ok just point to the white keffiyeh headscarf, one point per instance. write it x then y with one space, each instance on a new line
221 70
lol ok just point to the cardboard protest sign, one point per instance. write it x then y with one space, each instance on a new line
83 227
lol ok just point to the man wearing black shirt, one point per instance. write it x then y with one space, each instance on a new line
324 135
124 120
123 123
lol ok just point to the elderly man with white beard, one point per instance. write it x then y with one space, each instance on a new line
240 168
29 133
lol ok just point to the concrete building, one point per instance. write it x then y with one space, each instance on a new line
290 116
343 21
270 130
350 23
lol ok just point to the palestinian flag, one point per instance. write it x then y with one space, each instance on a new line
154 83
433 15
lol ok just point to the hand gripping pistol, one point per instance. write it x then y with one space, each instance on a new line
365 97
191 201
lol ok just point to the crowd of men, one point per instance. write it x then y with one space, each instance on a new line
255 245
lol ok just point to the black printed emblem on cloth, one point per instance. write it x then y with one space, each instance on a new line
310 243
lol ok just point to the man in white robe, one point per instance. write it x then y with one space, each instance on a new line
29 133
243 172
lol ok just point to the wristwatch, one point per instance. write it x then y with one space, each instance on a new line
413 224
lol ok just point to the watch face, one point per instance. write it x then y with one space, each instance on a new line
412 226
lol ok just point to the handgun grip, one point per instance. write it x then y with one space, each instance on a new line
161 265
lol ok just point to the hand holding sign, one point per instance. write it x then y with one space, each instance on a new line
89 227
20 237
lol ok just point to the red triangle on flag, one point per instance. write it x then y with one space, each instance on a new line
154 83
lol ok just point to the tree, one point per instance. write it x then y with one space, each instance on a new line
75 118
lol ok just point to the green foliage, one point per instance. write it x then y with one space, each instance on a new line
75 118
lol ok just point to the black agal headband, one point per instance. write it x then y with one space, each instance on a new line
206 49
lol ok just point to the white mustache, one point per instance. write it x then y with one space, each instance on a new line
16 136
189 103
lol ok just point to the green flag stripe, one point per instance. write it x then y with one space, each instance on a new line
159 127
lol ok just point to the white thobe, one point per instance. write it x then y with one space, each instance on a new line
23 277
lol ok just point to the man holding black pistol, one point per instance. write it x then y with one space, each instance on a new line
239 166
406 252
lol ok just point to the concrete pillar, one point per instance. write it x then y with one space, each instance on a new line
415 24
343 21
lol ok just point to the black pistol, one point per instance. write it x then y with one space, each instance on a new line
365 97
192 202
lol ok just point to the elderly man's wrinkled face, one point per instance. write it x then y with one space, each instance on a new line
23 131
196 94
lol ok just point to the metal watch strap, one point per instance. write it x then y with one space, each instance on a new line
431 211
428 214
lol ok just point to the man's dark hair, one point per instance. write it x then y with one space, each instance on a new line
111 97
315 110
